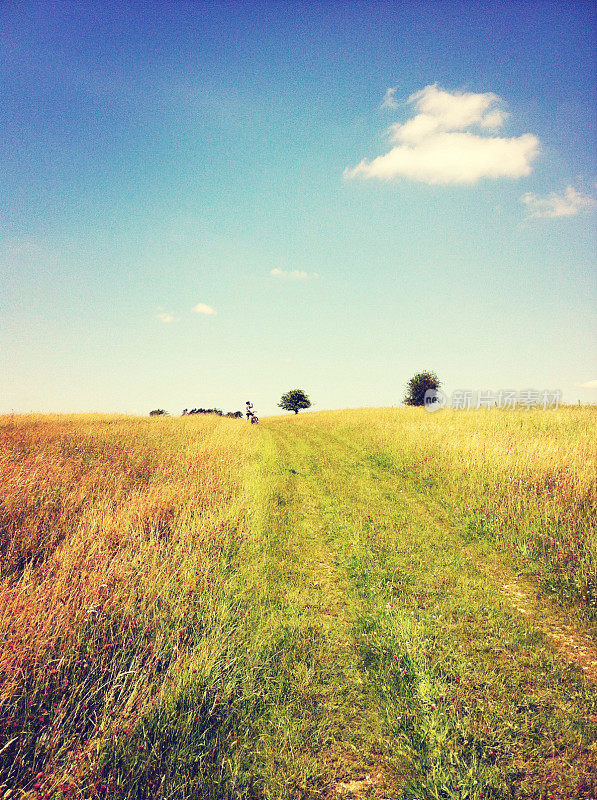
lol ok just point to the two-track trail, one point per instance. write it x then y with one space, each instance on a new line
397 666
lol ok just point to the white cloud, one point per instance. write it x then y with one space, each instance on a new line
586 385
453 158
294 274
203 308
436 146
165 316
389 99
557 205
450 111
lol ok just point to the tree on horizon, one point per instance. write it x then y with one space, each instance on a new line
418 385
294 400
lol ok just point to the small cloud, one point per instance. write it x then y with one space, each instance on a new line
557 205
586 385
203 308
165 316
389 99
294 274
436 145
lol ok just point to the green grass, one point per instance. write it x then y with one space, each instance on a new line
328 618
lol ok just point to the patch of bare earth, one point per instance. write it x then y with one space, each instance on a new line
357 783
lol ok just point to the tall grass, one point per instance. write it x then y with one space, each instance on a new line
115 537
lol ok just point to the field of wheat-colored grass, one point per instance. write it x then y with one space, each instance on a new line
115 534
200 608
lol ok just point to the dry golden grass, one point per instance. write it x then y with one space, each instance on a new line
106 525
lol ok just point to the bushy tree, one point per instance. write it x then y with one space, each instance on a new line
294 400
418 385
158 412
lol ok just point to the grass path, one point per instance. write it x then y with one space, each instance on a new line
319 728
407 673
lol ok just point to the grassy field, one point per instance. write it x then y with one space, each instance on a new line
313 607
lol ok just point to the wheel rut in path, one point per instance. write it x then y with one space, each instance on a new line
574 646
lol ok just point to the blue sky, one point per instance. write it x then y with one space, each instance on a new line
359 191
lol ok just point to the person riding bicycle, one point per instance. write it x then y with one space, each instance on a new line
250 416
